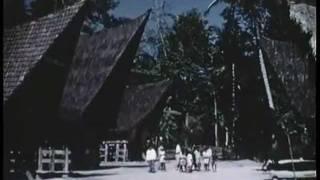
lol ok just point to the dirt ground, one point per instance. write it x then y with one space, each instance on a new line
228 170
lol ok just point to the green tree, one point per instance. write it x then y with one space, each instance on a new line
245 21
189 61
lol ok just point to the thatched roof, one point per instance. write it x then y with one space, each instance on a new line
25 45
295 73
138 101
95 59
305 15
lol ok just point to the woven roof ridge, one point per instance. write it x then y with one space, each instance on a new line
78 4
25 45
95 58
117 57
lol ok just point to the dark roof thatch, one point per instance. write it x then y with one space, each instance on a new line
95 59
26 44
138 101
295 72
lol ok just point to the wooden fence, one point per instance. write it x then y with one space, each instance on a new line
114 151
53 160
14 161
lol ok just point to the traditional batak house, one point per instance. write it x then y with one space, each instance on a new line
36 57
294 69
74 90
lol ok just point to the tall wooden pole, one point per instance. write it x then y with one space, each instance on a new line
186 125
216 134
263 70
216 121
227 137
233 104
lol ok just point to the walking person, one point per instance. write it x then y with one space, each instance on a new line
162 154
206 159
151 157
189 161
182 166
214 161
197 159
209 154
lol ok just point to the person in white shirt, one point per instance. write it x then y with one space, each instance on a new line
197 159
178 155
209 154
151 157
162 154
182 166
206 159
189 161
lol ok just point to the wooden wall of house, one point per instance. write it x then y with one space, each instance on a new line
30 116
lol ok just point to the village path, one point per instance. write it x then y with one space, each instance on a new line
227 170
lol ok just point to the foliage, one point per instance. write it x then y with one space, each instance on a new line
238 41
186 54
168 127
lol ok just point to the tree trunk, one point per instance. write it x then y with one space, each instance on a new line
233 104
216 134
227 137
216 121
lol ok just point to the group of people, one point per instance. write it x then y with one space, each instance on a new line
152 156
187 159
190 159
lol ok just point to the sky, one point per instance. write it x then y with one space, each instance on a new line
134 8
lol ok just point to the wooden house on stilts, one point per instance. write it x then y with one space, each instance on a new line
74 90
